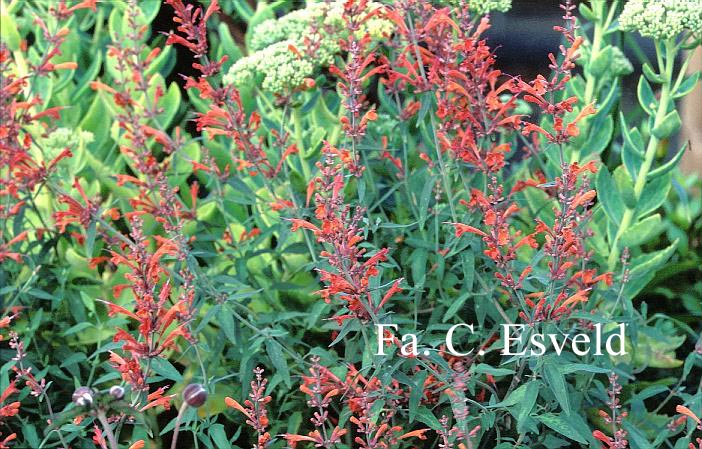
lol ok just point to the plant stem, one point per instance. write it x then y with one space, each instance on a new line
666 67
599 32
298 127
108 429
179 419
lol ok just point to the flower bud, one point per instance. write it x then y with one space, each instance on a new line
117 392
195 395
83 396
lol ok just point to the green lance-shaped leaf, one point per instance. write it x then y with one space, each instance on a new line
668 126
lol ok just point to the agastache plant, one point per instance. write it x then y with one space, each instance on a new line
348 221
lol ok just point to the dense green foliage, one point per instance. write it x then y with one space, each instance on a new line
262 187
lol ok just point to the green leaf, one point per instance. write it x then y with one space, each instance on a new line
170 104
651 75
647 99
607 193
602 62
633 148
160 64
562 424
150 9
641 232
83 85
29 431
586 12
668 166
651 261
653 195
670 125
556 382
219 436
90 238
455 306
73 359
44 87
97 121
484 368
77 328
416 393
243 9
424 200
229 47
625 186
164 368
636 437
419 266
427 417
113 22
688 85
527 405
600 135
515 397
569 368
311 102
275 353
8 32
226 322
644 269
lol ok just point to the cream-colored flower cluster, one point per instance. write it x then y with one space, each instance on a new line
482 7
62 138
296 24
278 65
50 146
278 60
662 19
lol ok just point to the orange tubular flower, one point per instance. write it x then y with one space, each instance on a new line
687 412
76 213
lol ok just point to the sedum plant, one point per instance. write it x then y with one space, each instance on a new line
344 225
276 44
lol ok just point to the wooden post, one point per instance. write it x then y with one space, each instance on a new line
692 122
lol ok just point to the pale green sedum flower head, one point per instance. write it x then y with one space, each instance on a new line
662 19
482 7
281 69
52 145
62 138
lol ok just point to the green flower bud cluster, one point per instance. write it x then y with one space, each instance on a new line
61 138
51 146
661 19
276 66
295 24
482 7
620 63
